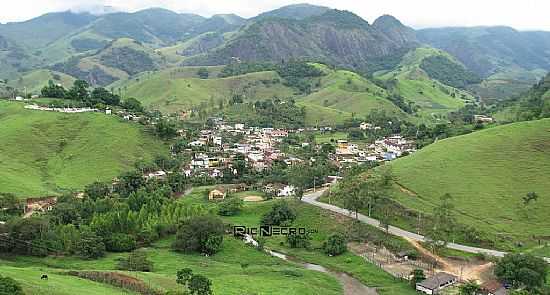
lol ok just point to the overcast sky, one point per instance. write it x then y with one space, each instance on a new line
520 14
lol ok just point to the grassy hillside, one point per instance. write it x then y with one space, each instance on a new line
261 273
34 81
44 153
487 173
411 82
181 89
57 284
342 94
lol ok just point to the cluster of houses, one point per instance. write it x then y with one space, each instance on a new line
385 149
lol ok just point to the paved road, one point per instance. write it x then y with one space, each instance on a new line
311 198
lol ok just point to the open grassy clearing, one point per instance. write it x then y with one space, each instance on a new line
45 153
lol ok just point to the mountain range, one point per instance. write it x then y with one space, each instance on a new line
99 47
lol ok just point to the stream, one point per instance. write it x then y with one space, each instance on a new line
350 285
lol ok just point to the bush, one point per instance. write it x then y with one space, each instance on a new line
279 214
9 286
203 234
121 243
335 245
298 240
230 206
136 261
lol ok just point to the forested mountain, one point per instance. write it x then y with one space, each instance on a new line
490 62
487 50
336 37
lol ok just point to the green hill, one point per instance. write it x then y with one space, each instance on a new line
487 173
44 153
342 94
412 83
181 89
34 81
120 59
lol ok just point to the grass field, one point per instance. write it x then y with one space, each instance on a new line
325 224
487 173
45 153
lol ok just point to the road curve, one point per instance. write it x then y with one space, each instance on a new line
311 198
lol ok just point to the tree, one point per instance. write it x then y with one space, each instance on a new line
440 232
9 286
79 91
203 73
194 284
417 277
230 206
133 105
165 129
200 285
53 90
469 288
522 271
90 245
203 234
335 245
136 261
280 214
119 242
97 190
102 95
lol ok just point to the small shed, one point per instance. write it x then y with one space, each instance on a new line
217 193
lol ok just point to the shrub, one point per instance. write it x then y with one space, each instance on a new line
298 240
202 234
136 261
121 243
230 206
279 214
335 245
9 286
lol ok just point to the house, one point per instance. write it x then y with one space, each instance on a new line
218 193
40 204
436 283
483 119
156 175
286 191
108 112
365 126
493 288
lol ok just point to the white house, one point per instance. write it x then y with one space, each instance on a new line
286 191
436 283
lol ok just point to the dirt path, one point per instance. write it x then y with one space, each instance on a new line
462 269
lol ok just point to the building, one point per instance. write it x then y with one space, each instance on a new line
286 191
483 119
218 193
493 288
40 204
436 283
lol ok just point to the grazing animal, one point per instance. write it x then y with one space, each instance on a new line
44 277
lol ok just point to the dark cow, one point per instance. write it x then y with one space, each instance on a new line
44 277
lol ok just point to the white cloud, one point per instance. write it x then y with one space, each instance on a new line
525 14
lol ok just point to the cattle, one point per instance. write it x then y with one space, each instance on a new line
44 277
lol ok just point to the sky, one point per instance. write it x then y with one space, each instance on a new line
520 14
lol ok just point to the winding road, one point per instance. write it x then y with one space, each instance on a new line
311 199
